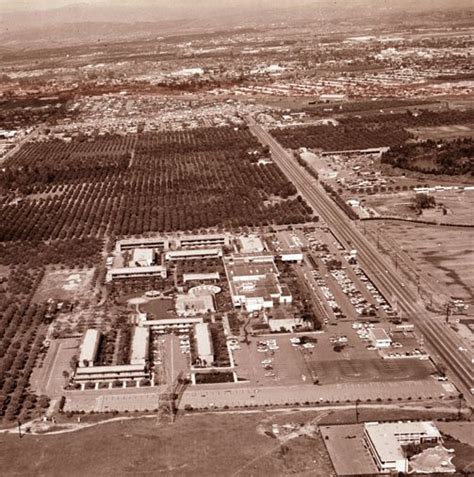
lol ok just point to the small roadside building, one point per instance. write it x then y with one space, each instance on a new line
379 338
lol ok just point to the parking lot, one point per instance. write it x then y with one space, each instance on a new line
218 396
369 370
283 365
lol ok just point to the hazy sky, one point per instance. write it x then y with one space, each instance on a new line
39 4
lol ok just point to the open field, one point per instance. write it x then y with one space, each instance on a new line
209 445
65 285
446 255
444 132
458 204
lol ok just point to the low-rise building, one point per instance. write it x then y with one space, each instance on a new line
254 285
195 241
251 244
193 254
140 346
123 372
205 350
161 243
136 272
385 441
191 305
89 348
200 277
143 257
379 338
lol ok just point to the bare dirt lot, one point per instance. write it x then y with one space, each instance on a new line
458 205
65 285
444 254
225 445
444 132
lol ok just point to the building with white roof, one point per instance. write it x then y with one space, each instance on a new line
89 348
251 244
136 272
190 305
385 441
143 257
205 350
379 338
140 344
193 254
209 240
200 277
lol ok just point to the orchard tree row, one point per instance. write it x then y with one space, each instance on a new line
21 342
434 157
341 137
159 191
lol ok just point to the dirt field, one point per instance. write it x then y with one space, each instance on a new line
444 132
226 445
444 254
458 205
65 285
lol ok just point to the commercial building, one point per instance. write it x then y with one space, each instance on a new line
205 350
89 348
196 241
379 338
140 346
193 254
136 272
385 442
287 248
281 319
253 284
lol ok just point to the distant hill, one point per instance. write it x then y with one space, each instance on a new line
159 16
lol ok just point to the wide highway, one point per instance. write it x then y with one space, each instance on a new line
444 345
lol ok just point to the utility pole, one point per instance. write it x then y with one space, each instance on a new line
448 312
460 398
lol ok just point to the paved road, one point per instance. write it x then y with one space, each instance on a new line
443 344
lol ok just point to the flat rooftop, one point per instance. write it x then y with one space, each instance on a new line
203 339
347 450
251 244
244 269
387 437
379 334
89 346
